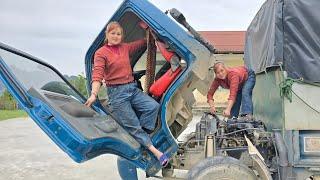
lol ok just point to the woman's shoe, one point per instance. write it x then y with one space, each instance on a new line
247 117
164 160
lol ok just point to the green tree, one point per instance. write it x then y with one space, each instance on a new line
7 101
80 84
7 96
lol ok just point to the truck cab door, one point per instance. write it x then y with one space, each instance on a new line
58 109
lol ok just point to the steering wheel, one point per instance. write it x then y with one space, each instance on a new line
137 76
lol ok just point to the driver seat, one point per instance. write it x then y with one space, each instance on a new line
158 88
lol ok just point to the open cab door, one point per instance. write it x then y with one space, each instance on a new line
59 110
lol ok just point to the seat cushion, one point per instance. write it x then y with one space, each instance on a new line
161 85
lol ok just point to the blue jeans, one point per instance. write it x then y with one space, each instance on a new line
126 169
244 96
133 110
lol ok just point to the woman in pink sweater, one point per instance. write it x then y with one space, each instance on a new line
112 63
240 80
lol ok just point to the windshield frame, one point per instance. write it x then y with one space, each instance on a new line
39 61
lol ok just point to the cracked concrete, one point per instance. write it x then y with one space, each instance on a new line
27 153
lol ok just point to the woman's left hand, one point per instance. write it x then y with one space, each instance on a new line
90 100
226 113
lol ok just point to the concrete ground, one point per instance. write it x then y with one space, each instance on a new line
27 153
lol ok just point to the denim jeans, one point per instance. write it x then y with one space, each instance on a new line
133 110
244 96
126 169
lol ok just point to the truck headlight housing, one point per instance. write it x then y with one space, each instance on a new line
311 144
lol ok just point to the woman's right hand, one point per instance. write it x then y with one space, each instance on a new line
212 109
90 100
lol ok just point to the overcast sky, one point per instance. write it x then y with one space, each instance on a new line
60 31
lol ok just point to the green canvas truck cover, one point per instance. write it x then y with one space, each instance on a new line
286 33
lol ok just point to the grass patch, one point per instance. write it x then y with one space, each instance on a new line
8 114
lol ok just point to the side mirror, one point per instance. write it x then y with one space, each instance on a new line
178 16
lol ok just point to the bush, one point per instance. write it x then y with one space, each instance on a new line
7 102
80 84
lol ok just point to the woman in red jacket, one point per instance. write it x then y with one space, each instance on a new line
112 63
240 80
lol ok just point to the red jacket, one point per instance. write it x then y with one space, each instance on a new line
112 63
235 79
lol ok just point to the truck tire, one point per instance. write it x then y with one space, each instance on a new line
221 168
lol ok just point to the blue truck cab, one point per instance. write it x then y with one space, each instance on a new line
83 133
